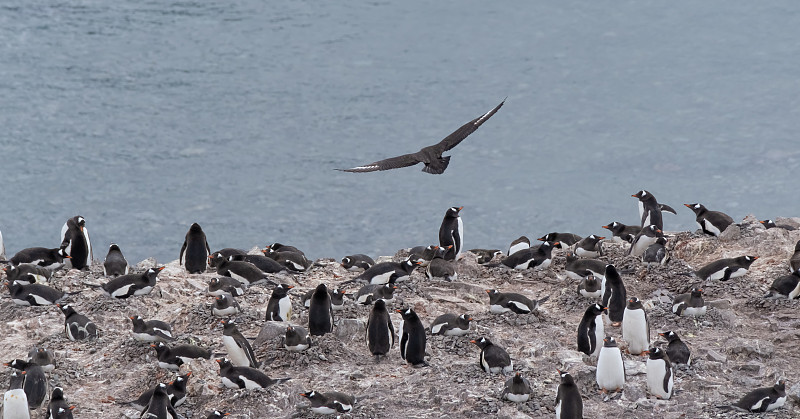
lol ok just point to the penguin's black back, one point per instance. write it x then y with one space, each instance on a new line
320 313
615 297
586 330
380 332
195 250
570 398
412 344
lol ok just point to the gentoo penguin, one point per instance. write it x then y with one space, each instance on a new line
591 330
485 255
176 391
451 325
15 401
442 265
330 402
576 267
503 302
115 263
794 261
296 339
132 284
764 399
294 261
422 255
521 243
517 389
320 313
225 305
451 231
569 404
660 381
647 236
195 250
357 262
380 331
610 370
151 330
75 242
2 247
656 253
768 224
677 351
370 293
49 258
621 232
649 211
35 385
386 272
590 287
413 340
217 415
77 326
565 239
172 358
159 406
244 272
279 307
691 304
226 285
244 377
264 263
635 327
614 297
214 259
725 269
537 258
43 358
337 298
239 350
786 285
493 359
280 247
34 294
28 273
58 408
711 222
590 246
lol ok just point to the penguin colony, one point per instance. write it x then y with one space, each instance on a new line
297 313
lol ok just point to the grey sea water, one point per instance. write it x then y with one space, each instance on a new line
146 116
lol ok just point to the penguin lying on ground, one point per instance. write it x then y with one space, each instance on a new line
330 402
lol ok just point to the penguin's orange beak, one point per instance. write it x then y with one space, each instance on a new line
605 226
601 238
161 268
687 205
661 334
460 208
634 195
473 341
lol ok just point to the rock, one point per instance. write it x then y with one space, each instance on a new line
270 331
723 304
731 234
793 392
715 356
349 328
633 392
633 367
747 347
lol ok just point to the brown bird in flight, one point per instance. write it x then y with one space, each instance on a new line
432 155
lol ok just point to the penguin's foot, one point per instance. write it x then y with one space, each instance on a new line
616 324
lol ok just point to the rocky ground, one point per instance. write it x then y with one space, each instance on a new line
743 342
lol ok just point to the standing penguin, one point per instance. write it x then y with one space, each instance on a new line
493 359
413 339
794 261
647 236
35 385
610 370
725 269
279 307
77 326
380 331
115 263
239 350
452 231
659 374
159 406
517 389
15 401
58 408
635 327
320 312
591 330
195 250
711 222
649 211
569 404
75 242
691 304
614 296
677 351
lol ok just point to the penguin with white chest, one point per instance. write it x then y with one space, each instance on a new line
48 258
232 376
622 233
521 243
172 358
34 294
569 404
442 265
28 273
577 268
75 242
614 296
725 269
15 401
58 408
35 384
77 326
239 350
386 272
226 285
493 359
370 293
635 327
115 263
536 258
159 406
691 304
649 211
43 358
794 261
647 236
451 232
413 340
279 307
656 253
151 330
330 402
710 222
610 374
503 302
380 331
590 286
224 306
517 389
660 381
590 246
133 284
195 250
357 262
786 285
296 339
764 399
591 330
451 325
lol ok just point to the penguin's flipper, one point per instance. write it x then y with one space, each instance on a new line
727 275
667 208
